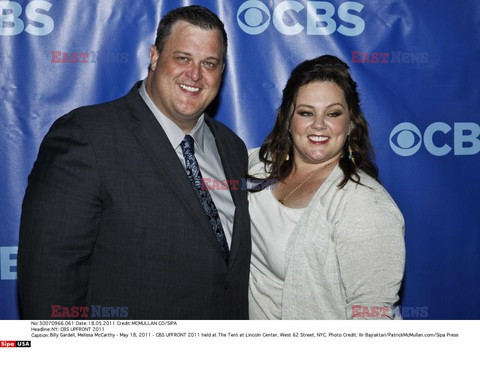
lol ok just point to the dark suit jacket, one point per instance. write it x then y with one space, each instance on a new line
110 218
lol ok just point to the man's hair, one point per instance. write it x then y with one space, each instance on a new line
196 15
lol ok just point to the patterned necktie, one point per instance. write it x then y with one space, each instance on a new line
195 176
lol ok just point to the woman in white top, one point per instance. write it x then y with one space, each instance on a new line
328 240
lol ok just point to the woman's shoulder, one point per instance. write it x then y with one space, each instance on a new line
253 156
256 167
369 195
367 185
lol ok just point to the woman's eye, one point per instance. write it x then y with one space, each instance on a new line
334 114
304 113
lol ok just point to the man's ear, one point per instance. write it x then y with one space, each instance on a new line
153 57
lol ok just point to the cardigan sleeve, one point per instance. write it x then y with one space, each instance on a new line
370 247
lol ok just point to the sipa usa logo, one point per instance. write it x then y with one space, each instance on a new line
292 17
38 23
406 139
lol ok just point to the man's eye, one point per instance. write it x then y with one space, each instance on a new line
209 64
182 59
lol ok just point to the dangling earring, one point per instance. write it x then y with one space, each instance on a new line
289 145
350 151
350 154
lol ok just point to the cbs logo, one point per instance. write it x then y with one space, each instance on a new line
39 24
406 139
254 17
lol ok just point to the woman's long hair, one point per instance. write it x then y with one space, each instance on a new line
278 146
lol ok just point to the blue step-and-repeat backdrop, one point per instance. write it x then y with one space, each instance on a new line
415 62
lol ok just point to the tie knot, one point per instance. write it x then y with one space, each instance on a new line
188 144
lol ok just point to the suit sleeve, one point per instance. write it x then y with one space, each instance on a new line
371 254
60 217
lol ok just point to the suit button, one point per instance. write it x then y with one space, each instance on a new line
226 285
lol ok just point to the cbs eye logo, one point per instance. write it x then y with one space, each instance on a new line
406 139
253 17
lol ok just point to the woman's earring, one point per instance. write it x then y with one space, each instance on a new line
350 154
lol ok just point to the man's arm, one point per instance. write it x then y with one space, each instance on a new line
60 218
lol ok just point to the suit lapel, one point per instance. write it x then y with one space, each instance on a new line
227 154
152 137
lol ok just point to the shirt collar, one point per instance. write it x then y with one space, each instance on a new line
174 133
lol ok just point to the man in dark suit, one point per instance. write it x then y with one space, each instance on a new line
113 217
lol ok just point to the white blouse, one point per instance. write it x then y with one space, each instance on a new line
272 224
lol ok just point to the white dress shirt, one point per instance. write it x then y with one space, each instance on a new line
207 155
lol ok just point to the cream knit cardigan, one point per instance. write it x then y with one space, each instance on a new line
347 252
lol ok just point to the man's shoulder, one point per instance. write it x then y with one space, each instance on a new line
223 131
103 114
101 110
